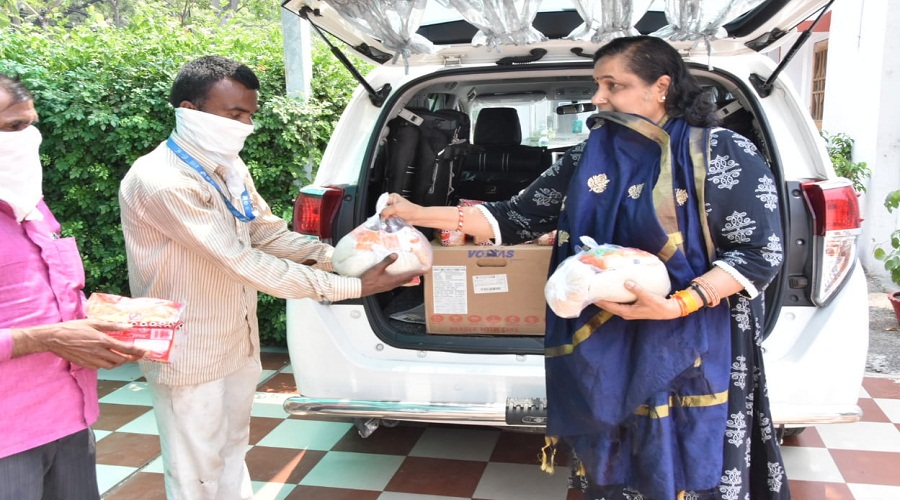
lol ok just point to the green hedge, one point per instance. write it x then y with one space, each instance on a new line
101 94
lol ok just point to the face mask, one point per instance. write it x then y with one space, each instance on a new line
221 140
20 172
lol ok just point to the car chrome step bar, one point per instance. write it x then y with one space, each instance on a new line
521 412
518 412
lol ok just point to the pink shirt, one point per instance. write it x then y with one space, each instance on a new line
42 396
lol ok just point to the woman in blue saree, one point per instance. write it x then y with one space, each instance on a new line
664 397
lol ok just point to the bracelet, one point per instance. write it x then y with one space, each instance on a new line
460 218
686 302
712 294
697 288
681 305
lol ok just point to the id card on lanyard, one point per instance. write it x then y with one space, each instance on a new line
248 214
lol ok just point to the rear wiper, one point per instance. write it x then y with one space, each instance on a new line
764 87
376 96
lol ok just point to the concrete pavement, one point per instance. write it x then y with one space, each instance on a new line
884 331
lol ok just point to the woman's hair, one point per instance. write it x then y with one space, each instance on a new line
649 58
15 88
197 77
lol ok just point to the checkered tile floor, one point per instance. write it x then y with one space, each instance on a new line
325 459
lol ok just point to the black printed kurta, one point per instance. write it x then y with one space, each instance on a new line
744 223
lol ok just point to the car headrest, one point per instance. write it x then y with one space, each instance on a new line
498 127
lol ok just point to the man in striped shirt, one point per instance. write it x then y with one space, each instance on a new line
197 232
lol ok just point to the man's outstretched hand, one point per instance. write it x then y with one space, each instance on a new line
377 279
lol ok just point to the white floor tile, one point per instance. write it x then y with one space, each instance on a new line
100 434
356 471
264 375
810 464
457 444
502 481
111 475
863 436
125 373
391 495
305 435
155 465
269 404
135 393
891 408
271 491
874 492
144 424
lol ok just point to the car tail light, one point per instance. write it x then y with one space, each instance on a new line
315 209
835 210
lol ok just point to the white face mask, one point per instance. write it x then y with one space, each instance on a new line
221 139
20 172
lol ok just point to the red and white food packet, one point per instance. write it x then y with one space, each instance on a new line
375 239
154 321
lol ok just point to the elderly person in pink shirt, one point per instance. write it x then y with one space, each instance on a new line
49 354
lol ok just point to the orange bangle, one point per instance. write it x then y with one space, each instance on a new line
460 218
686 301
681 305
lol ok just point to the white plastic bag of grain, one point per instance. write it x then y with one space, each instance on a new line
598 272
375 239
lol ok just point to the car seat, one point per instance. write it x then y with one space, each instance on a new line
499 166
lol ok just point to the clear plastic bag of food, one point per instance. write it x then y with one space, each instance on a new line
154 321
598 272
377 238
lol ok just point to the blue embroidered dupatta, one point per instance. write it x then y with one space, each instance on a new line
642 402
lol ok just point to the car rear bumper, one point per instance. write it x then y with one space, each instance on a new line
514 415
814 361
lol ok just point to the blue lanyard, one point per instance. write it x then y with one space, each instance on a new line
247 216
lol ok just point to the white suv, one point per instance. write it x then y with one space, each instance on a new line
357 358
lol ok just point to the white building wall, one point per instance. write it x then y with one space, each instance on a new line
799 70
862 99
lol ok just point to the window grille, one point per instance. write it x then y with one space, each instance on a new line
820 58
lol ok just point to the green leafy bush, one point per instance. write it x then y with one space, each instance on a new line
840 149
891 256
101 94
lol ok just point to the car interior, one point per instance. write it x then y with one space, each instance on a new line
514 128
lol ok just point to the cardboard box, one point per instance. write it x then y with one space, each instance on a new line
472 290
